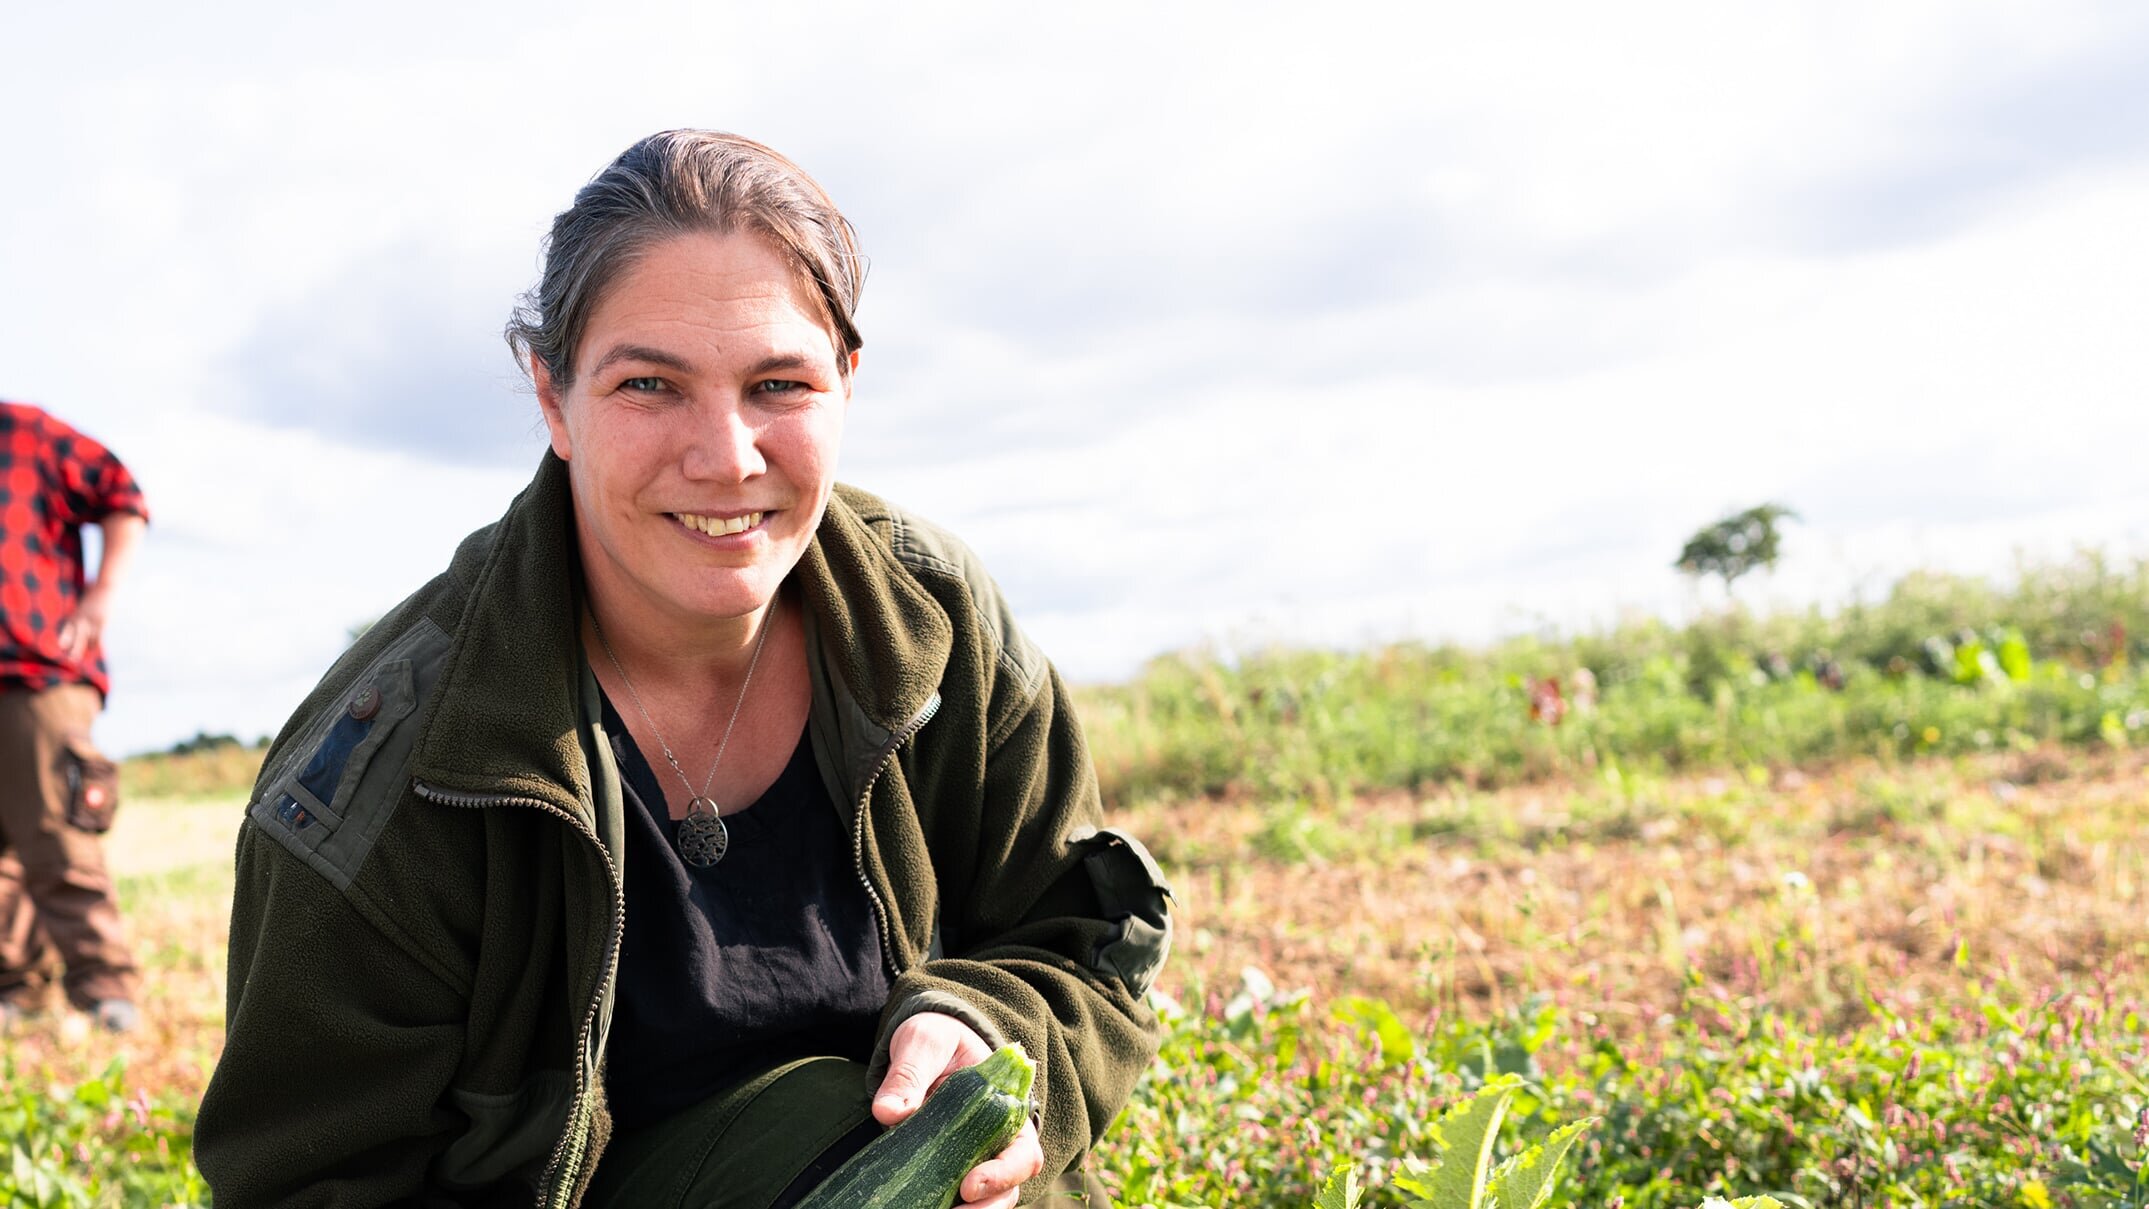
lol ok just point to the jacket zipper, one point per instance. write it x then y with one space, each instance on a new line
567 1154
858 829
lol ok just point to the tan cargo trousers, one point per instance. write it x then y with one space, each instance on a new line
55 895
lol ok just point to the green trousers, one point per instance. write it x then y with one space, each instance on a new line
762 1144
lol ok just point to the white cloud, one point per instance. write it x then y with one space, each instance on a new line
1224 321
265 548
1889 396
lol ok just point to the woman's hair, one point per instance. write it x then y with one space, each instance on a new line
671 184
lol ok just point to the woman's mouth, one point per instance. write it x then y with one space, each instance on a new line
718 526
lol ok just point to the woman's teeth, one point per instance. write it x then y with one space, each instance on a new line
716 526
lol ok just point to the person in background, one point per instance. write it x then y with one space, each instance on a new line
57 793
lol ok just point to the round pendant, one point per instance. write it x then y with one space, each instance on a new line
702 835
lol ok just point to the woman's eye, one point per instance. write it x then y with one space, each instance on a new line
642 384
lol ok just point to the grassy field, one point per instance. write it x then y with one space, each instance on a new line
1670 949
1609 915
1859 924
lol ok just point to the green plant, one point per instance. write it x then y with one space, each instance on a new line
1465 1177
1262 1102
94 1144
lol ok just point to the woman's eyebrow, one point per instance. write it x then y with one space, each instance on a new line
774 363
642 352
780 362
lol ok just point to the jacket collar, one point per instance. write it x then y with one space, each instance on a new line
506 718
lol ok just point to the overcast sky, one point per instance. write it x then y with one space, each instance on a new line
1220 323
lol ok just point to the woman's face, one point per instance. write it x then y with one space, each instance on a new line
700 431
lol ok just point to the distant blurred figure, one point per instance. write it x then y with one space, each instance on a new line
1546 703
1585 690
57 793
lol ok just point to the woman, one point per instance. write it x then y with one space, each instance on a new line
704 813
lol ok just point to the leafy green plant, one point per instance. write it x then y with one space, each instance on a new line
1465 1177
94 1144
1263 1102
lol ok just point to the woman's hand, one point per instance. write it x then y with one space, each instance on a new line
925 1050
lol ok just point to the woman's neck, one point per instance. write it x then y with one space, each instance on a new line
655 649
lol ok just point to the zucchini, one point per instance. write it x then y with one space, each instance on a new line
920 1162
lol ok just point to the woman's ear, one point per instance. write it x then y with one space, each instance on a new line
550 402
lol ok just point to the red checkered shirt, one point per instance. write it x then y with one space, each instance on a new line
53 481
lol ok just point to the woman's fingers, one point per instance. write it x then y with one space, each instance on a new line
993 1183
924 1050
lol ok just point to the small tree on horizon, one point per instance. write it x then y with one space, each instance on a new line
1736 544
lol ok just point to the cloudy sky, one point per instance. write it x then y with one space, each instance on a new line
1223 323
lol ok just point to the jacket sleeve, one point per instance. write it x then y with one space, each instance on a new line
1059 931
338 1045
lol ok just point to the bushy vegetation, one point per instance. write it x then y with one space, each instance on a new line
203 766
1941 665
94 1143
2002 1099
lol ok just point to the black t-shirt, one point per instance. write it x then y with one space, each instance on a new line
772 953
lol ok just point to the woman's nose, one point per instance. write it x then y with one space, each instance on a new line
724 446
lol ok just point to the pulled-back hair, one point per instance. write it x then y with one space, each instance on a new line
676 183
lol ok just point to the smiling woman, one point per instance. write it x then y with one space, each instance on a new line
485 948
701 443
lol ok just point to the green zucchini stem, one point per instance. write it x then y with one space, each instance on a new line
1009 1071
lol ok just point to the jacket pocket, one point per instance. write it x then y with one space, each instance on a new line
304 806
1132 894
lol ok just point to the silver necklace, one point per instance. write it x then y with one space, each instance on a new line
703 837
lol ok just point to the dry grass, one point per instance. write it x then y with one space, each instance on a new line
1804 894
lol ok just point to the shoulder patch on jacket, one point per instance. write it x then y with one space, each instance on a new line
921 545
337 787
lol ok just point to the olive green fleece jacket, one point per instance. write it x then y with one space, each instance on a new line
426 921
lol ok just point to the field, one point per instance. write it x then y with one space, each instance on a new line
1815 907
1689 950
